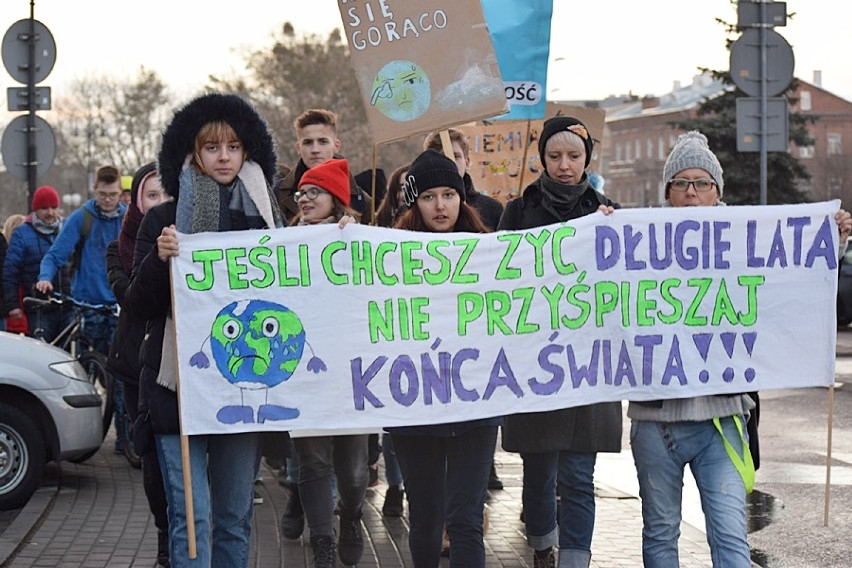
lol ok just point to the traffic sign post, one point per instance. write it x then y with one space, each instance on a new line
28 144
761 66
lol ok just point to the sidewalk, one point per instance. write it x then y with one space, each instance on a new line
95 514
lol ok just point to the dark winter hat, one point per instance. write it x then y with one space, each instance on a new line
332 176
561 124
179 137
139 178
431 169
45 197
692 151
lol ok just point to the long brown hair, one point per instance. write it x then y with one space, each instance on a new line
468 220
387 211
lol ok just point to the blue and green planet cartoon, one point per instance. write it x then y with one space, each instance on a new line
256 345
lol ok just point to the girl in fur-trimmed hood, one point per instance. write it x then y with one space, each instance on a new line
217 161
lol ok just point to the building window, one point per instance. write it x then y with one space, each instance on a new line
661 148
835 144
649 149
638 152
835 187
618 152
804 100
627 147
806 152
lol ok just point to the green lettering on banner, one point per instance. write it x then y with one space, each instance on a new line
537 243
470 307
235 268
443 273
561 233
526 296
206 258
606 300
504 271
410 265
362 263
257 257
385 278
751 282
574 298
676 305
458 275
645 304
328 265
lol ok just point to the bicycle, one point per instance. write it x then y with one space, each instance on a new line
74 340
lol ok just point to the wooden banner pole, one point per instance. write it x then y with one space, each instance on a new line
828 453
524 160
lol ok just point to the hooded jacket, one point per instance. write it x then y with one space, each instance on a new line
148 297
89 283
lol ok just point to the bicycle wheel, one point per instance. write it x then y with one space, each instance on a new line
95 364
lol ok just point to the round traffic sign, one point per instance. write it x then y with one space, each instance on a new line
16 52
14 146
745 63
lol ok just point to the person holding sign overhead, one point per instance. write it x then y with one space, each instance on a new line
560 446
445 466
217 162
707 432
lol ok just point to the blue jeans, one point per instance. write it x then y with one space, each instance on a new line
223 469
393 474
446 480
661 451
47 326
99 328
320 458
573 473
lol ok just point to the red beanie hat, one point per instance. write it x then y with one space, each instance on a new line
332 176
45 197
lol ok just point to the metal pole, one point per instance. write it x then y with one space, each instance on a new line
31 106
763 105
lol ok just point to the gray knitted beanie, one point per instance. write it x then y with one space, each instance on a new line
692 151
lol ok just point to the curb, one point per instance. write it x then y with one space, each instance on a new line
26 521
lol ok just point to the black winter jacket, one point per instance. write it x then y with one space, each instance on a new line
148 298
592 428
124 350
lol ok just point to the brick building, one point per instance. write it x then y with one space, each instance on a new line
639 135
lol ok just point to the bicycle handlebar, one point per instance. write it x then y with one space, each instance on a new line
59 299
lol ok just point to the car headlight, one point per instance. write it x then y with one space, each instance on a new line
70 369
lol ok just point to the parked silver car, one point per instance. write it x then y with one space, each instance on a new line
48 411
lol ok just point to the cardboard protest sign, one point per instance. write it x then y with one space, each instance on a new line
422 66
321 328
500 165
520 32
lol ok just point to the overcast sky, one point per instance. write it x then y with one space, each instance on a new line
598 48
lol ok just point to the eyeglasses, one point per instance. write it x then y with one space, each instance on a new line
311 193
110 196
700 185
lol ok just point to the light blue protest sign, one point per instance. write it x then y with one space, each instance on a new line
520 32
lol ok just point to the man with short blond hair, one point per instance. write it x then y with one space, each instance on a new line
317 142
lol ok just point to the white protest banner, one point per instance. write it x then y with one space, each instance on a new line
363 327
422 65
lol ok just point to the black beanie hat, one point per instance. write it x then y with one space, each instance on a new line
560 124
431 169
